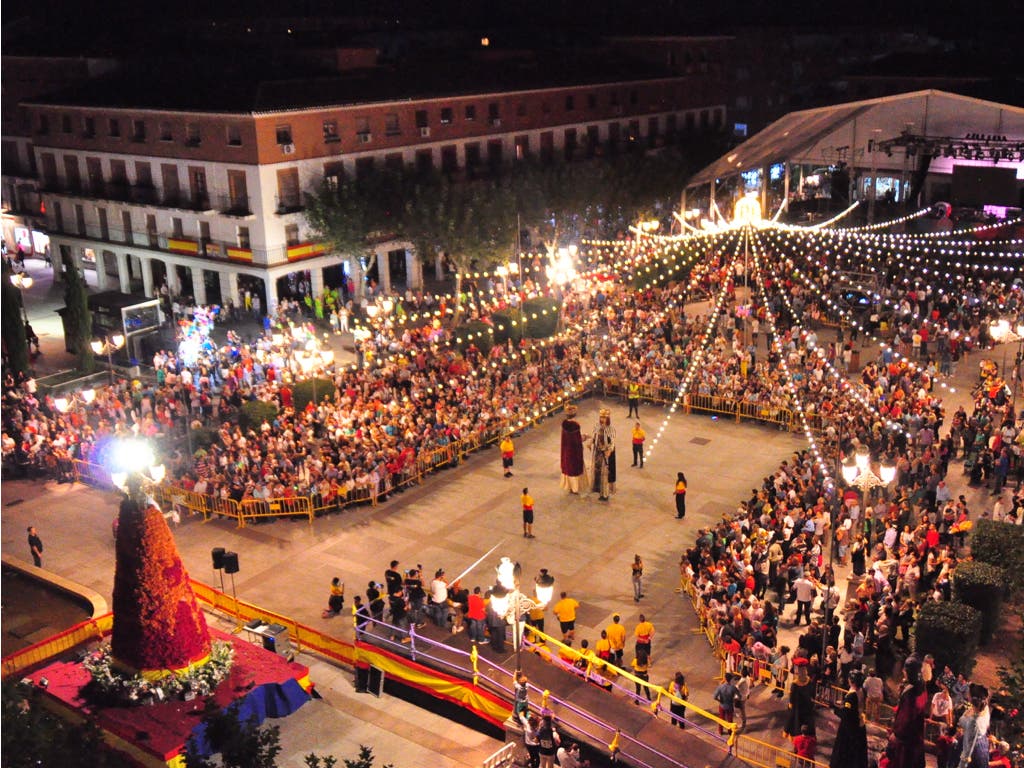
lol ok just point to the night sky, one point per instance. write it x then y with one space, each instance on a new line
116 24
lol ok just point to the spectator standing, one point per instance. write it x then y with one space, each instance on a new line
874 694
637 578
476 616
641 669
439 599
531 725
35 546
549 740
678 690
805 592
569 757
392 578
805 746
725 695
680 494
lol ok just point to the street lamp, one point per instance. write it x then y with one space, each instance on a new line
508 601
135 457
108 346
860 475
63 404
22 281
502 272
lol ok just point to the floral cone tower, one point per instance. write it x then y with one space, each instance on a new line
158 626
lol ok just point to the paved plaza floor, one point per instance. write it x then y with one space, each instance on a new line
449 521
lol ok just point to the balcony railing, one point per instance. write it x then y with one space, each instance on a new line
122 192
288 204
209 249
234 205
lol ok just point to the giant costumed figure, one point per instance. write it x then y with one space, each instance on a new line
572 451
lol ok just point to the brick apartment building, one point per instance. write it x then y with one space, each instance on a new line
199 183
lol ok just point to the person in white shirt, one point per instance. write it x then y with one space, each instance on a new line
805 592
569 757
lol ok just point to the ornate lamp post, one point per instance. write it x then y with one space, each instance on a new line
22 281
509 602
108 346
860 475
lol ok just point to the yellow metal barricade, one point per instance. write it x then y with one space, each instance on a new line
253 509
223 507
765 755
92 629
91 474
189 501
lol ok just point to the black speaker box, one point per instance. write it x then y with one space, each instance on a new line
218 558
230 560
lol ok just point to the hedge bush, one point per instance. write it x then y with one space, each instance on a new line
981 586
203 437
503 325
1001 545
474 332
950 632
545 323
302 393
254 412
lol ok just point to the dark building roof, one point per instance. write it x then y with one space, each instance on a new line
230 87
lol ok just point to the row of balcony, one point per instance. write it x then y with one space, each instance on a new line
209 248
147 194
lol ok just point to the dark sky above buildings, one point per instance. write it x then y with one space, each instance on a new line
114 23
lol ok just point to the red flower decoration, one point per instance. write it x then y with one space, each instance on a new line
157 622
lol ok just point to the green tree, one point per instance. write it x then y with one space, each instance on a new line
365 760
348 212
240 744
1011 697
12 323
77 317
472 221
33 736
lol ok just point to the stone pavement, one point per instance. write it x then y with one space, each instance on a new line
450 521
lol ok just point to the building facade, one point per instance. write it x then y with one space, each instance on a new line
211 204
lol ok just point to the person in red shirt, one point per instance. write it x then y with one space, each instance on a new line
476 615
805 746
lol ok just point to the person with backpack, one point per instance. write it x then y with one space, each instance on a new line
548 741
725 694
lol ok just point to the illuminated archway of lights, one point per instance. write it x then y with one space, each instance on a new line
813 256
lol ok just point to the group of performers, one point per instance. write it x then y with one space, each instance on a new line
601 479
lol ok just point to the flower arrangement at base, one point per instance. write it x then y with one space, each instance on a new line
158 625
112 686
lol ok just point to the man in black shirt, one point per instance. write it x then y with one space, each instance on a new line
392 578
35 544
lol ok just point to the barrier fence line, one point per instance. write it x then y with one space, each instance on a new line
91 629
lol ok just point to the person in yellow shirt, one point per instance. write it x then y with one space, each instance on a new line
644 633
641 669
638 445
508 452
680 494
565 610
527 501
616 640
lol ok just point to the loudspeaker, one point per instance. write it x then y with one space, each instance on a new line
218 558
230 560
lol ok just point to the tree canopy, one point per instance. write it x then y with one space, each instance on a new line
472 218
